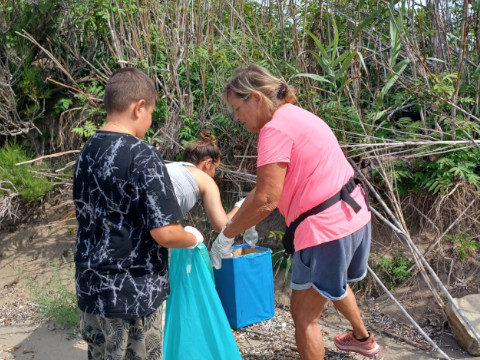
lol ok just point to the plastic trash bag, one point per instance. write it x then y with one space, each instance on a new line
196 326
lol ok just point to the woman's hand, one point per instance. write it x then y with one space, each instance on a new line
221 249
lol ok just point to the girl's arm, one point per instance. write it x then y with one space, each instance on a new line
211 199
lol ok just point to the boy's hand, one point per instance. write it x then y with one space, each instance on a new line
197 235
221 249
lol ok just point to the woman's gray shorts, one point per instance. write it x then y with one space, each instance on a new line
329 266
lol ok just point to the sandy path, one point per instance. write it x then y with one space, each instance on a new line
28 248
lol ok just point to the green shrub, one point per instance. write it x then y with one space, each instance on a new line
463 244
436 174
30 185
394 271
87 129
279 260
57 297
441 173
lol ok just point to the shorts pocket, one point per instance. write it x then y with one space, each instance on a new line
301 273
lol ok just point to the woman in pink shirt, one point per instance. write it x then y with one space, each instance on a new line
301 168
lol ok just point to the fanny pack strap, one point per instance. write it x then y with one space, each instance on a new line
343 194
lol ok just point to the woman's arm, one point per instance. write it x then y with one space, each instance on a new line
261 201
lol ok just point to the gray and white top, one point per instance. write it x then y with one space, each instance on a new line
184 184
121 191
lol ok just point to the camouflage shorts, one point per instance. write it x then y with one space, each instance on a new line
119 339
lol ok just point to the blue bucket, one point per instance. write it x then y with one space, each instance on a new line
245 286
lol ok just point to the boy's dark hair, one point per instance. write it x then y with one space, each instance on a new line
128 85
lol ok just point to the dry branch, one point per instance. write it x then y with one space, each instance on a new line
57 64
90 99
448 229
48 157
48 53
424 267
239 175
420 330
11 122
7 206
394 144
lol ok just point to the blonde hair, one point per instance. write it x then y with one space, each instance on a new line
205 148
246 80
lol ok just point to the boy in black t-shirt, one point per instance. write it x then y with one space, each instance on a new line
127 219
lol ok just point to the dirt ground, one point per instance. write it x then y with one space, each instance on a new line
47 233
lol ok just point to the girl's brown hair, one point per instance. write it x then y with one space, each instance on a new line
246 80
205 148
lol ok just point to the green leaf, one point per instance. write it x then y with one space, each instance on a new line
339 59
435 59
313 77
62 105
362 61
345 65
335 40
323 64
318 43
379 100
368 21
394 76
378 115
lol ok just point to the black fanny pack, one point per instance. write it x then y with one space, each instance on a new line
343 194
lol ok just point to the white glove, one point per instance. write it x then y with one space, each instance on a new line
221 249
239 202
197 235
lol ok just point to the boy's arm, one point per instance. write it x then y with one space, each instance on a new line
174 236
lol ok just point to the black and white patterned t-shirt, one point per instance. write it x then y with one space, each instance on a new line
121 191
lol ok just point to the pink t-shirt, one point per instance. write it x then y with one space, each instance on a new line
317 169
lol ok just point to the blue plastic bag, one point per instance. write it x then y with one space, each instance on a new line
196 326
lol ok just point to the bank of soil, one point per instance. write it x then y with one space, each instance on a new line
46 233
